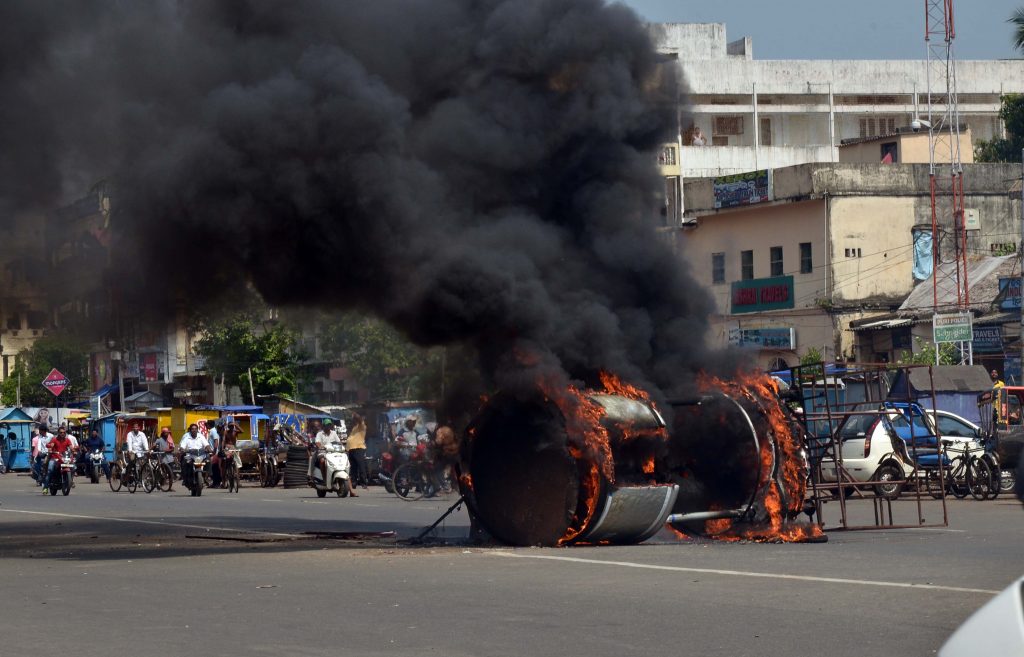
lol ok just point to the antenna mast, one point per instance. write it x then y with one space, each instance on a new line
949 234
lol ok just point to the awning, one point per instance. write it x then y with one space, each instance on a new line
105 390
883 324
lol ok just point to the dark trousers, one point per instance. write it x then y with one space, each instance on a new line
360 474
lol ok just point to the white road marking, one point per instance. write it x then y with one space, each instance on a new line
742 573
152 522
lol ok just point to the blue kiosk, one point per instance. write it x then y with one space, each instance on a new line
15 439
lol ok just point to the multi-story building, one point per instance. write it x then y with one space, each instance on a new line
750 114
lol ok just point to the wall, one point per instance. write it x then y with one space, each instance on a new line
912 148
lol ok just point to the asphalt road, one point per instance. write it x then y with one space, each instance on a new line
166 574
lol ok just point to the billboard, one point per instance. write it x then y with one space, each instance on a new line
760 294
742 188
764 338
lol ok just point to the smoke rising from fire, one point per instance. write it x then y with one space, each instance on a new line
476 172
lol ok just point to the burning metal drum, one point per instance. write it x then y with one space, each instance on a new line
605 468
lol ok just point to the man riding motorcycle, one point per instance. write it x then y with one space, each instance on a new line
191 443
58 445
95 442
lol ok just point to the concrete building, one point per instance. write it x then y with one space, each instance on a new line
793 255
768 114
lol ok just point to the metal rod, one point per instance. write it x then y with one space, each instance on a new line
706 515
458 503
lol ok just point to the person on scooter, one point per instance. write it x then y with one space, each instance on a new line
58 445
192 443
94 442
323 439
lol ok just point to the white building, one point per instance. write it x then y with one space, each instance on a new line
776 113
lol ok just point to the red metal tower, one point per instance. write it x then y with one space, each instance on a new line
950 289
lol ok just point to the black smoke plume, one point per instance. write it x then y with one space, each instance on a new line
476 172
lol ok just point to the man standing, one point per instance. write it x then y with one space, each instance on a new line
213 437
996 381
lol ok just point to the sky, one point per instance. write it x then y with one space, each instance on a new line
855 29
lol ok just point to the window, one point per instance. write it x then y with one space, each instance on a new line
728 125
852 253
746 265
776 259
13 322
667 156
37 319
671 208
876 127
765 132
889 153
806 263
717 267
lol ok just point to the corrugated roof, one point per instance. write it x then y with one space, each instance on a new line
983 279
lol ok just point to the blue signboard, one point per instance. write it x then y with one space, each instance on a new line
1009 294
766 338
987 339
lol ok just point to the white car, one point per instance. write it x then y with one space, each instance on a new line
871 446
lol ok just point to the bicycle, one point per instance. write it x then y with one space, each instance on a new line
124 472
154 473
417 478
967 472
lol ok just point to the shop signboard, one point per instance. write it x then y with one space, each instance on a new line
987 339
1009 293
760 294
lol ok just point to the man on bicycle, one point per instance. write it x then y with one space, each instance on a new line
136 444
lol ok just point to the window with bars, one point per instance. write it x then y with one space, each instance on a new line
806 262
776 260
747 265
728 125
717 267
876 126
667 157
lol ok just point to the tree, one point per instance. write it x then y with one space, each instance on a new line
234 347
59 350
380 357
1018 28
925 354
1008 149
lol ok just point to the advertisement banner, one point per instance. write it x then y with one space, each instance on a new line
954 327
742 188
765 338
148 368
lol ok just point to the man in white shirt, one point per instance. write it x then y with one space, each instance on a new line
326 435
40 448
136 443
190 442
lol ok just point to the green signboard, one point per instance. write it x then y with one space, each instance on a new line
952 328
760 294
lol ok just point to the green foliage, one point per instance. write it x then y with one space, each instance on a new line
233 346
65 352
1018 28
1009 149
380 358
811 357
925 354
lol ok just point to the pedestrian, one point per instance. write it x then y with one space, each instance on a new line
357 451
444 453
213 437
996 381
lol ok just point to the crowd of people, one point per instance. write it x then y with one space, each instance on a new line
436 445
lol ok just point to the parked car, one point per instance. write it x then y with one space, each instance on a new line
877 442
1002 424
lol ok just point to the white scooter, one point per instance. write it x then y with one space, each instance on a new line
337 471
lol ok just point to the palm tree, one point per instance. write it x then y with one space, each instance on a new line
1018 23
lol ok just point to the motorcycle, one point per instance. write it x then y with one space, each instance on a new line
94 465
336 458
196 479
63 479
